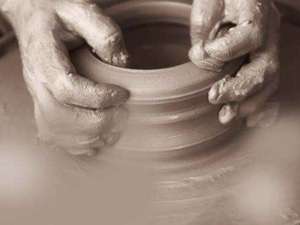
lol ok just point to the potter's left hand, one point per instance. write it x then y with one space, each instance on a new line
255 31
72 112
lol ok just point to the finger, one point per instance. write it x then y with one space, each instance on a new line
89 146
77 131
228 113
61 120
100 32
238 41
70 145
70 40
232 111
83 142
263 67
249 80
205 17
46 60
61 146
251 18
201 59
82 152
73 89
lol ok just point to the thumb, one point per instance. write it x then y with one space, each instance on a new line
206 17
100 31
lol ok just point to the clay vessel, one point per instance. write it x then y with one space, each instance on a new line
168 107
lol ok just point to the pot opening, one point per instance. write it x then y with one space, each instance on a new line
157 45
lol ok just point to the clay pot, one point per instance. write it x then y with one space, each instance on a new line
168 107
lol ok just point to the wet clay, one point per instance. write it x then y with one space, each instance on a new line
168 108
157 45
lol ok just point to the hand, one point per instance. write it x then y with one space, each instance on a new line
72 111
255 31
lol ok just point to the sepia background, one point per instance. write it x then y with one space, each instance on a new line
252 179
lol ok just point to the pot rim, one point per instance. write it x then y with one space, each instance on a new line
182 82
128 5
152 86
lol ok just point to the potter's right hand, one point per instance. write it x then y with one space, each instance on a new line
254 32
72 111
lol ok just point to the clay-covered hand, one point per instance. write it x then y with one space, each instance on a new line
254 31
72 111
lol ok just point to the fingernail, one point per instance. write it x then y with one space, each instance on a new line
228 113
